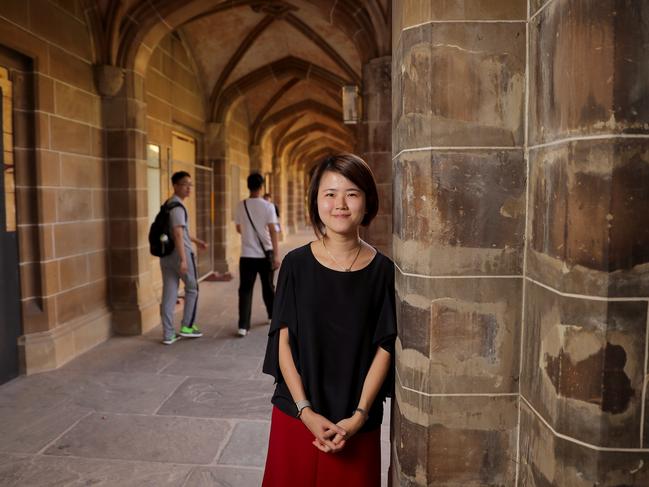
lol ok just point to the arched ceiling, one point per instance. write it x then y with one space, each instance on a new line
285 59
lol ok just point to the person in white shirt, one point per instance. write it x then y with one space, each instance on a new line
256 219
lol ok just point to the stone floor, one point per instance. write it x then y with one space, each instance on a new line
133 412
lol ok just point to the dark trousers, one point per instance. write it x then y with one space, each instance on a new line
249 267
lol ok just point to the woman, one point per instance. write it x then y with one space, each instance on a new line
331 341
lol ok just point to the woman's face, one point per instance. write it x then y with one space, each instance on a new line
341 204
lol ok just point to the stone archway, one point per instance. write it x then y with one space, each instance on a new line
249 93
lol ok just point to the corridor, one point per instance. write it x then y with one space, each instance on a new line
132 412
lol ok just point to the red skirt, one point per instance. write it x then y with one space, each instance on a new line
293 461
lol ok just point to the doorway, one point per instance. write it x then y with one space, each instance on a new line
201 202
10 320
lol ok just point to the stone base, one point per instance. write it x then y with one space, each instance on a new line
221 266
136 321
51 349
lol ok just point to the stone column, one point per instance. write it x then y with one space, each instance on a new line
376 147
291 209
215 151
459 219
584 375
279 193
300 216
132 297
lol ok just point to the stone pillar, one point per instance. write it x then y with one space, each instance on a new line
132 297
376 147
279 193
215 151
459 218
584 374
300 215
291 189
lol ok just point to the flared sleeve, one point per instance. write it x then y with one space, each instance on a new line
386 327
385 333
284 315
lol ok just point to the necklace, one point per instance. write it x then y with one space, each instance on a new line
346 269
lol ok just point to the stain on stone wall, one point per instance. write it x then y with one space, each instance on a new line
583 365
610 389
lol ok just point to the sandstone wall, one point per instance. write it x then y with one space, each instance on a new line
61 181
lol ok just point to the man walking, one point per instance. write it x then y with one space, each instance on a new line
255 219
180 264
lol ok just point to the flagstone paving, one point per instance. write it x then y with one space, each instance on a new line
133 412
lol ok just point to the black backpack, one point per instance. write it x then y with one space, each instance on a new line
161 242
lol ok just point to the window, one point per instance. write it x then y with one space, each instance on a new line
8 155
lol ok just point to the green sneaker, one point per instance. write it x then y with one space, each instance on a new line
170 341
190 332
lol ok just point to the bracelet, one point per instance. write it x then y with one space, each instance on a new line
300 405
363 412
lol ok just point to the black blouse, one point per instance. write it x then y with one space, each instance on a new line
336 321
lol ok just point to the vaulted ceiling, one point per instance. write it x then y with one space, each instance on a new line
286 60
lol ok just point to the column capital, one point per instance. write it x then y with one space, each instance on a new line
215 140
109 79
377 75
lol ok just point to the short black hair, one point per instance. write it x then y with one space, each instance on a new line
358 172
255 181
178 176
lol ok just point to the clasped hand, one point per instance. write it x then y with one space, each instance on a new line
330 437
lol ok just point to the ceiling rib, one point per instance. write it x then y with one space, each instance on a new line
311 129
324 46
287 112
289 65
239 53
268 106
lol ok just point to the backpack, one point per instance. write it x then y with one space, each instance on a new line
161 242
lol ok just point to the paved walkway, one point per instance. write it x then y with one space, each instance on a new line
133 412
